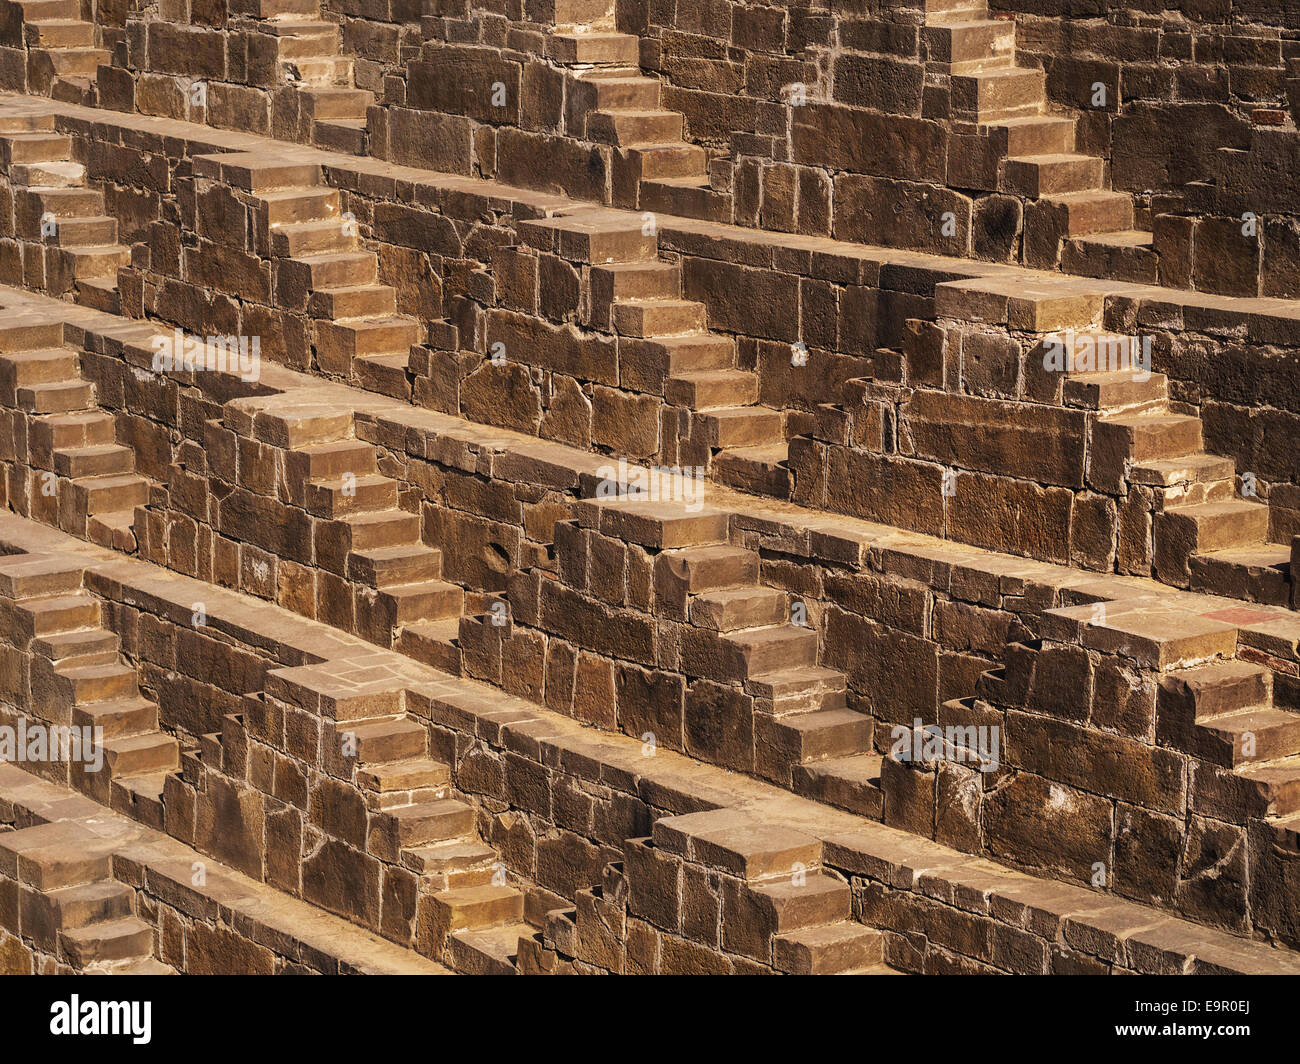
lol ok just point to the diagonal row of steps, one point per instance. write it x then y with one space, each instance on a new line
62 54
79 680
57 216
82 479
70 908
309 58
972 55
1204 536
337 480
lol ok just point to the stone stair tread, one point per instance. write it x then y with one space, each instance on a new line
857 768
410 774
1121 238
1265 555
787 682
495 948
1198 467
1051 158
148 785
439 857
770 454
143 966
1251 719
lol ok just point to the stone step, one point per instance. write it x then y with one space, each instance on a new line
87 646
87 904
1216 526
293 239
1256 574
386 374
82 684
139 755
851 783
57 173
1196 468
1213 689
385 567
79 428
95 230
97 260
690 196
75 62
489 951
59 33
599 90
143 966
738 843
800 738
476 908
658 317
1249 736
416 774
1047 175
798 689
1115 391
968 46
732 609
940 11
709 389
742 426
629 128
113 940
433 642
348 136
34 148
830 949
761 470
57 614
596 47
39 576
1143 438
1124 255
344 269
759 651
392 830
119 717
54 855
385 741
332 460
794 904
712 568
1094 211
36 10
114 529
98 460
985 96
649 363
427 600
338 343
113 493
1278 784
55 397
384 528
331 73
42 366
32 205
659 162
291 205
353 301
1034 135
460 862
635 280
334 497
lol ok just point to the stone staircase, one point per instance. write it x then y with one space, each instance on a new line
609 101
724 880
326 109
62 51
384 796
79 478
739 639
365 537
78 679
1204 535
665 345
323 269
68 906
64 235
1072 218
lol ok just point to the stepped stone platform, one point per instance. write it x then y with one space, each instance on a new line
608 488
